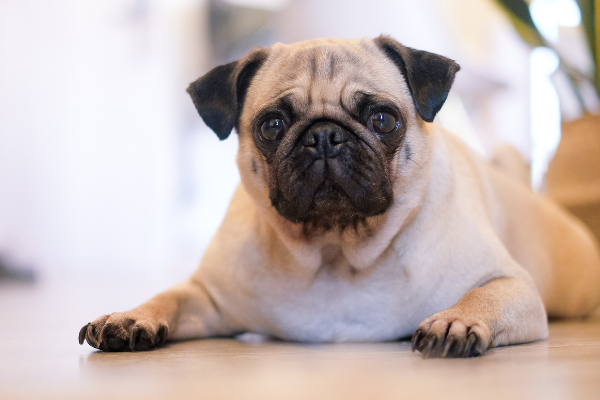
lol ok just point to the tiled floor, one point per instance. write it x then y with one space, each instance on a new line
41 359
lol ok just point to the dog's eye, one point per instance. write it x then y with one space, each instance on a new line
384 122
272 129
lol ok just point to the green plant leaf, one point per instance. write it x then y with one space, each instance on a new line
519 15
518 12
590 10
520 9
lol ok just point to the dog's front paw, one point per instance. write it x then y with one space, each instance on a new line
124 331
441 336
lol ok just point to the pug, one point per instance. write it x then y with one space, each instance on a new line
357 219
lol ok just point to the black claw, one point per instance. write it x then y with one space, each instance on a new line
448 346
459 347
163 332
109 339
90 336
102 338
471 340
82 333
427 349
417 338
133 339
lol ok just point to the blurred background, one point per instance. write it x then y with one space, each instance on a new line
108 173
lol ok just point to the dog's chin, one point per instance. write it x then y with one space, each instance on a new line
333 209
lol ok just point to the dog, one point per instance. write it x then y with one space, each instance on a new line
357 219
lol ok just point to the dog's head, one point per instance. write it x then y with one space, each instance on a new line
322 123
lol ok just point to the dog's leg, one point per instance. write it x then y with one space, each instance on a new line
184 311
503 311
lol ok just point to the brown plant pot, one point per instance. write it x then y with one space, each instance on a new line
573 177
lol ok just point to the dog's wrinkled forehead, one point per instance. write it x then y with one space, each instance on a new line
321 77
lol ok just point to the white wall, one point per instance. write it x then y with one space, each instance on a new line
106 170
95 131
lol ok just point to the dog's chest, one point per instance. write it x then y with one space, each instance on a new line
338 303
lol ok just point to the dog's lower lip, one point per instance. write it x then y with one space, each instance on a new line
328 186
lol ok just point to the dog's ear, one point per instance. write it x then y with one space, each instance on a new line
429 76
219 95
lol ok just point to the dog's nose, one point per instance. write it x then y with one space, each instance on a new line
324 139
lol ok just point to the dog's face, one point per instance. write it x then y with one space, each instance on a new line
322 123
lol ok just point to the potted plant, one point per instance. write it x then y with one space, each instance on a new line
573 177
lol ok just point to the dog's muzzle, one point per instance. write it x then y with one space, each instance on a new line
330 179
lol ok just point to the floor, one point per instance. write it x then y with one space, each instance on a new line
40 358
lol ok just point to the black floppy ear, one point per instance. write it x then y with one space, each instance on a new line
219 95
429 76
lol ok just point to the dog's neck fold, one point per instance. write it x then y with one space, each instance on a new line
363 246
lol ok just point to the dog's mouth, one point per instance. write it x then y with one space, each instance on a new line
331 198
332 207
